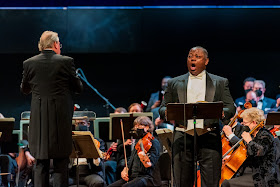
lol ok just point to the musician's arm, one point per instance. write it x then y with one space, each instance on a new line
167 99
259 149
229 108
154 152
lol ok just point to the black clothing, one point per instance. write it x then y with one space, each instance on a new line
261 153
237 130
52 80
138 174
209 144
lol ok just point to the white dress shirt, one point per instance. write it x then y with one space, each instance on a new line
196 92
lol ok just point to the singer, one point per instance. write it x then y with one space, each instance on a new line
198 85
52 80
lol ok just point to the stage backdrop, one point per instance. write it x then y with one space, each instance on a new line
125 52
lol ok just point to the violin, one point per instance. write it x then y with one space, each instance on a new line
142 147
274 130
225 143
237 158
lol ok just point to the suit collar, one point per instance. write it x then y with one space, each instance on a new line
210 88
48 52
182 88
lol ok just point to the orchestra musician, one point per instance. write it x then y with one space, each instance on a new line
92 171
141 167
261 152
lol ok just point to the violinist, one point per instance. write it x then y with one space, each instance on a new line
111 157
128 144
91 170
261 152
141 172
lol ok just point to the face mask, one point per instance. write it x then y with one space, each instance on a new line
254 103
140 132
258 93
246 91
82 128
163 87
246 128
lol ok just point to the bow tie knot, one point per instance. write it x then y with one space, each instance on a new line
196 77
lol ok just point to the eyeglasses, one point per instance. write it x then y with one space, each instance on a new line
60 45
245 123
138 125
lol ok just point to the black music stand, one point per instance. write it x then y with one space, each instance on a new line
186 111
6 130
273 118
127 119
83 147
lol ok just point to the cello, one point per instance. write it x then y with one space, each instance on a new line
225 142
237 158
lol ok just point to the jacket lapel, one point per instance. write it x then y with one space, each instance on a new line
210 88
264 104
182 88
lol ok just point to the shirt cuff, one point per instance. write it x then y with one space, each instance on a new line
230 136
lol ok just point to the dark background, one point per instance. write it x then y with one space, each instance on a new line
125 51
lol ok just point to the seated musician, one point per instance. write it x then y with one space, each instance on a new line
261 151
111 160
139 171
91 170
11 162
128 144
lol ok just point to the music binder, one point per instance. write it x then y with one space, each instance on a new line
166 137
84 146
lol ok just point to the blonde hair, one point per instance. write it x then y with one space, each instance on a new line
47 40
253 114
146 121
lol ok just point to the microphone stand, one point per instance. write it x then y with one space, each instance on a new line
83 77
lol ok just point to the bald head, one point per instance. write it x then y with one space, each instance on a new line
201 48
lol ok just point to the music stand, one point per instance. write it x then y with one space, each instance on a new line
6 130
186 111
273 118
84 146
128 119
165 135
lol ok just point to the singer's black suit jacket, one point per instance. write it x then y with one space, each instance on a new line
52 80
216 90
